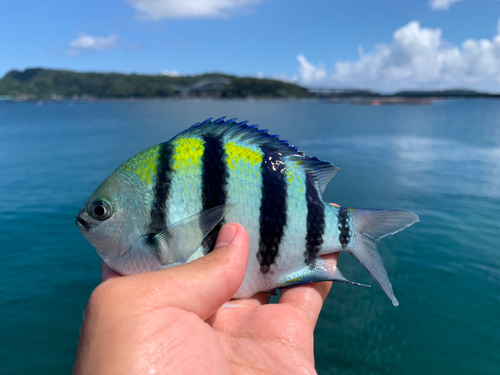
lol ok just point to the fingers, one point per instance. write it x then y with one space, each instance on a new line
309 299
201 286
261 298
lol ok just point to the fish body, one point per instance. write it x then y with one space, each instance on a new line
166 205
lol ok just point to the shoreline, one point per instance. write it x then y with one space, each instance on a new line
43 85
362 100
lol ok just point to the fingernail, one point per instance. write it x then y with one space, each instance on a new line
226 235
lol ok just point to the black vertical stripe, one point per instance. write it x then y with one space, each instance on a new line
214 182
162 187
273 209
315 221
343 225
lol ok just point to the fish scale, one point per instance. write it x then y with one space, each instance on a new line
166 205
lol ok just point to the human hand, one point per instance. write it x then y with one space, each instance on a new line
176 321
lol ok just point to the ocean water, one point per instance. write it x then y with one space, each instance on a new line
440 161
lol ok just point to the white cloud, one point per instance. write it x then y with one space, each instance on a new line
419 58
260 74
158 9
171 73
442 4
309 74
91 43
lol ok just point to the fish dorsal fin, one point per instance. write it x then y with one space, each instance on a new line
240 132
320 171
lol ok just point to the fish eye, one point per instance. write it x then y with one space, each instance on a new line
101 210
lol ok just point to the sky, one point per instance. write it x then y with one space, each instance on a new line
383 45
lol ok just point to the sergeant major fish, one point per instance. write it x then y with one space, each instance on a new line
166 205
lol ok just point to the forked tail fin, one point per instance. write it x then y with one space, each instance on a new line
371 226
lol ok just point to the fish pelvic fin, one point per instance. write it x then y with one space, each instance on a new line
371 226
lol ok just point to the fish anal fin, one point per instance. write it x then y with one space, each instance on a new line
321 271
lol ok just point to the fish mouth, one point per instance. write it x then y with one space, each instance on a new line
82 224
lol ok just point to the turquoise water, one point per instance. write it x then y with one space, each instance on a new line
440 161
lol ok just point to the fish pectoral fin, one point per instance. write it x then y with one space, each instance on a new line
182 239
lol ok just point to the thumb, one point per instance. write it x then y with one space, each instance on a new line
204 285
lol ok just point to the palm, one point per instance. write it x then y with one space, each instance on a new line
275 338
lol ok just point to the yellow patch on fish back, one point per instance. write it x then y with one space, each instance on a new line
188 154
144 164
237 154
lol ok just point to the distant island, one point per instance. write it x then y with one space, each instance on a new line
47 84
33 84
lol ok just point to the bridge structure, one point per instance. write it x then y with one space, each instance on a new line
325 91
207 84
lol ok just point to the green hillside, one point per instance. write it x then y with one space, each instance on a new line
44 84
